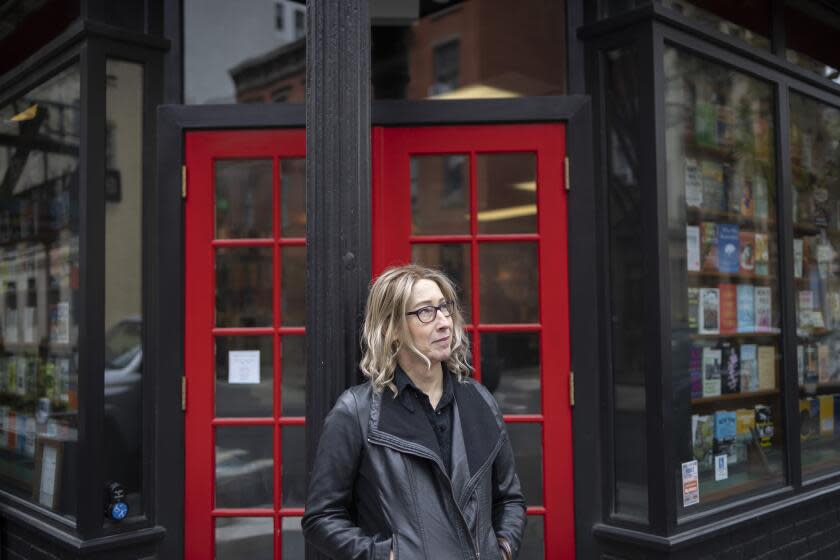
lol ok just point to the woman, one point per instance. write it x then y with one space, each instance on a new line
416 462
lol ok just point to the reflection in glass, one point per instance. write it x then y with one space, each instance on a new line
244 467
454 260
533 540
507 193
293 546
294 376
39 272
815 166
440 192
244 537
293 285
526 439
243 287
508 283
243 198
726 344
294 467
293 197
510 369
808 41
244 380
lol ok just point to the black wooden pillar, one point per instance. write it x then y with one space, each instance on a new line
338 202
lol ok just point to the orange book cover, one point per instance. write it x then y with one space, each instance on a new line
728 308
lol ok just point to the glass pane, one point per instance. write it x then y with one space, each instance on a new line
243 287
510 369
454 260
293 546
440 195
814 127
466 50
293 384
808 36
628 308
508 283
244 537
527 443
726 343
39 283
243 52
293 286
507 193
244 467
244 380
243 198
294 466
293 197
533 541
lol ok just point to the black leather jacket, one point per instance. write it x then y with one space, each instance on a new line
377 485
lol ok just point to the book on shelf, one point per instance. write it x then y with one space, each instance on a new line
725 432
764 425
747 252
809 418
820 207
728 308
826 415
766 367
693 308
730 373
709 311
834 360
695 371
708 246
811 364
728 248
749 368
692 242
711 372
832 301
702 438
746 308
809 255
22 378
797 258
747 198
825 258
713 186
731 190
761 257
760 194
823 361
693 184
800 364
763 308
805 305
744 425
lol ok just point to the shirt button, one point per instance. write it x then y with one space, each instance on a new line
438 412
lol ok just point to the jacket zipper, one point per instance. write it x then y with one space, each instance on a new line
437 462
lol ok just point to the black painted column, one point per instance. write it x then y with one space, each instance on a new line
338 201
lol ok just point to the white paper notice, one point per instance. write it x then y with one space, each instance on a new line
691 484
48 471
721 468
244 366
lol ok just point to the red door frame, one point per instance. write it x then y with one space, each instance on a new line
201 150
392 240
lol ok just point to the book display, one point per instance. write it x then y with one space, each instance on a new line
815 173
726 334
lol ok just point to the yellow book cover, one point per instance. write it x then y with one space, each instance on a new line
826 415
766 367
744 423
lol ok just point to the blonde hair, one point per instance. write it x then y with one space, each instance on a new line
385 331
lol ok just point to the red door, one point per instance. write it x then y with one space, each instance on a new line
244 347
488 205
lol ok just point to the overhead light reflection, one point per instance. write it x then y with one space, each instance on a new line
507 213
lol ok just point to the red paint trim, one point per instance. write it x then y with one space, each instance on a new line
523 418
242 512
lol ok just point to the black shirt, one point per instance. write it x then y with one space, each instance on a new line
440 418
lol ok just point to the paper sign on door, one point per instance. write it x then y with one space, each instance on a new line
243 366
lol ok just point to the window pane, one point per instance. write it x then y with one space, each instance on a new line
244 376
39 279
293 286
527 443
293 197
244 287
294 466
294 376
816 224
244 537
440 192
293 546
454 260
243 198
510 369
507 193
244 467
724 282
508 283
809 41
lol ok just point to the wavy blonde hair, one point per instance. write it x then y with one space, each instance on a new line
385 331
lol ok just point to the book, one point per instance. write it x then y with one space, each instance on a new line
709 311
693 184
728 248
766 367
761 257
800 364
762 298
825 256
764 425
711 372
826 415
747 200
811 364
708 246
746 308
692 252
805 305
702 438
728 308
713 186
809 418
749 368
823 373
797 258
746 247
832 302
761 198
820 207
730 373
744 425
725 431
731 189
693 308
695 371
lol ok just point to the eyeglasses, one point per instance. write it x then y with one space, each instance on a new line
428 313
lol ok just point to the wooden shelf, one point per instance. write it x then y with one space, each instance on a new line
718 216
699 336
735 396
730 275
811 333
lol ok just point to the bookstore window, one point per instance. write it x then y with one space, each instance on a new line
725 289
811 39
815 166
39 278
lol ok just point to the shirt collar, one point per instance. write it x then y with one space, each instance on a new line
403 382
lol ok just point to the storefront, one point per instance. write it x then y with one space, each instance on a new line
639 201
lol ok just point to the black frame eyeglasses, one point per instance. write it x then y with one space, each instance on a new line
428 313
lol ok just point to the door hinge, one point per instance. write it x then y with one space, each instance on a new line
568 184
184 181
183 394
571 388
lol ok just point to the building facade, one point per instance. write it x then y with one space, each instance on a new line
639 201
